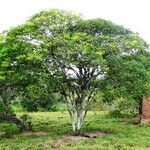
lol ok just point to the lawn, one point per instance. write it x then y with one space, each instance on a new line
123 135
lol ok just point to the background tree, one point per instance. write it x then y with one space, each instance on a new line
22 54
22 58
7 91
128 78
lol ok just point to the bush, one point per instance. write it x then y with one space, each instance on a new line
26 119
124 108
29 104
17 107
51 102
5 106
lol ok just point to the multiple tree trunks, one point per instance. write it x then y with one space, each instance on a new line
13 119
145 110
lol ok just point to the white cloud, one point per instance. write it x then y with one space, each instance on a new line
133 14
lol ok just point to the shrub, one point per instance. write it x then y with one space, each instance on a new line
27 120
124 108
45 102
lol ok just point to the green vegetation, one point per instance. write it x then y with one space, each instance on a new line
124 135
57 55
59 61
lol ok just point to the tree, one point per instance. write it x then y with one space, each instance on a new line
128 65
74 55
22 58
82 58
22 55
128 78
76 59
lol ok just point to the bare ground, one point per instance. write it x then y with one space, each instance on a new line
85 136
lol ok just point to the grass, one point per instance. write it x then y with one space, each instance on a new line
124 135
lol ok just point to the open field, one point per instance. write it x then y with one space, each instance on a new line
123 135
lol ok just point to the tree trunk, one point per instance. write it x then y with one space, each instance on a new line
73 120
79 120
13 119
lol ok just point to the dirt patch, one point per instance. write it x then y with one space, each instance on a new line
36 134
74 137
94 134
87 135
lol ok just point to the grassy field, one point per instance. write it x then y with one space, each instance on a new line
124 135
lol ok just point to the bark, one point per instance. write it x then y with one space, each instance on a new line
13 119
76 122
80 120
73 119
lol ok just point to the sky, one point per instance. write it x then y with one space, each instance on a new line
132 14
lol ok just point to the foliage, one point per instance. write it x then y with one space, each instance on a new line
45 102
59 52
27 120
21 56
128 78
123 108
87 57
6 97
